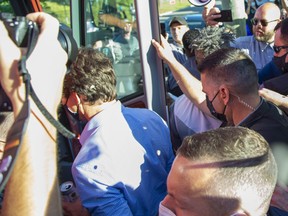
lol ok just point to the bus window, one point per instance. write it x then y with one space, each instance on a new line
5 6
111 28
58 9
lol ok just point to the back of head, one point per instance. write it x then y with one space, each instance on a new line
232 67
284 30
245 169
211 39
92 75
188 39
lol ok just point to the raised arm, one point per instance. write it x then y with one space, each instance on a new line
190 86
33 187
210 12
279 100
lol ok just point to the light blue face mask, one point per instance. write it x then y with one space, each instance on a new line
164 211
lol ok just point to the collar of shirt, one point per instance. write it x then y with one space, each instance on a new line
261 101
107 112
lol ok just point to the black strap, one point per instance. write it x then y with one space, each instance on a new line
68 134
16 133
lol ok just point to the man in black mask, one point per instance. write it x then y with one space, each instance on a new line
273 75
229 80
229 91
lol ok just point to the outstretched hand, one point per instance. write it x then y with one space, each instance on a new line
164 50
274 97
209 14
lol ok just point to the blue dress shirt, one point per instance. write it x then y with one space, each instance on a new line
260 52
124 162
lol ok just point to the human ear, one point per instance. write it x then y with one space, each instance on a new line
73 102
224 94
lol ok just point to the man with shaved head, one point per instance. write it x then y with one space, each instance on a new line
228 171
259 45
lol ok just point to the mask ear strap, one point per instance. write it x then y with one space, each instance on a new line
240 213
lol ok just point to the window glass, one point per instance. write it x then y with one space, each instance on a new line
59 9
111 28
171 8
5 6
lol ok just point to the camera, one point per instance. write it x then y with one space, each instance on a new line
20 30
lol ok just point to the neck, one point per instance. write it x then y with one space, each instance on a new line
99 106
244 107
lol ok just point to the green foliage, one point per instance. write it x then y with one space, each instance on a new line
165 6
59 9
5 6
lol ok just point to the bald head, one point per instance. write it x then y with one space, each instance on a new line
266 18
270 10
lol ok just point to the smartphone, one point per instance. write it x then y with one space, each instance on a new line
226 16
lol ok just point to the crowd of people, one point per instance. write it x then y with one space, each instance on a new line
223 151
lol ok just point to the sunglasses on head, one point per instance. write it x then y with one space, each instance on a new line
277 49
264 23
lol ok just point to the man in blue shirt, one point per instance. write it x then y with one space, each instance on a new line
126 153
279 64
259 45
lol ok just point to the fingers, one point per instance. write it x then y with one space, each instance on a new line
48 24
47 62
163 50
158 48
213 14
266 91
272 96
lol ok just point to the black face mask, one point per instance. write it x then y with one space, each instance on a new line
76 124
212 110
280 63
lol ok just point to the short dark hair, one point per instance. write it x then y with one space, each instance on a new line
283 26
243 163
188 39
91 75
232 67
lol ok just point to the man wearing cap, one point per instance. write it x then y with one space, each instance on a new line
178 27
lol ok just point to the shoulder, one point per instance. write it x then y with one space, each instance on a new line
270 122
245 39
142 115
269 71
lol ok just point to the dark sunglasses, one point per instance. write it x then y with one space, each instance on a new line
277 49
264 23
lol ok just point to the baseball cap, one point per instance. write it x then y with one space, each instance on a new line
180 20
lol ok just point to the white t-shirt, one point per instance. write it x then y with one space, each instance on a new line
189 119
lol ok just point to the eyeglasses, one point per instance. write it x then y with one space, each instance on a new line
264 23
277 49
